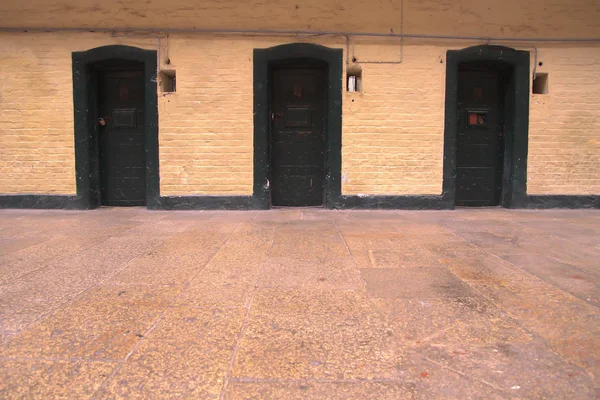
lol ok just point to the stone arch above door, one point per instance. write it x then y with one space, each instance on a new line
516 117
263 60
84 91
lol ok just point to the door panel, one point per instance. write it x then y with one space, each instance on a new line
480 145
297 137
122 161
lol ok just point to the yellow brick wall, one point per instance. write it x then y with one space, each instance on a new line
564 125
36 145
392 131
206 127
37 153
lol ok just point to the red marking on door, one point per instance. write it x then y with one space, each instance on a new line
472 119
297 90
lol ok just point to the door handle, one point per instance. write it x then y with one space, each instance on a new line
276 115
102 121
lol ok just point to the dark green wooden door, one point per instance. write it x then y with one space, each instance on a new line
297 136
480 144
122 162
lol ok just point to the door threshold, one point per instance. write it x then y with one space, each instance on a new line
476 207
295 207
122 206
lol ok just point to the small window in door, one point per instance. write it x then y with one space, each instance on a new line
124 118
476 118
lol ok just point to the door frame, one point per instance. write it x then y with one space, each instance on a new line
264 60
85 106
515 66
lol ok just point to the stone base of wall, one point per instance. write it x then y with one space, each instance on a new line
33 201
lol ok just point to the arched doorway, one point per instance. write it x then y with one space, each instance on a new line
297 125
486 127
116 127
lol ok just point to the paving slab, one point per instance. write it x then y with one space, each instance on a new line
32 296
300 303
447 321
186 356
46 379
318 335
515 370
299 390
413 283
102 324
310 275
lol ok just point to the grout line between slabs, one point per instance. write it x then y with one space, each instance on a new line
60 257
155 323
66 359
78 294
317 380
524 271
245 322
467 376
517 321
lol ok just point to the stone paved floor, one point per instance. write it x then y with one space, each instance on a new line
300 304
